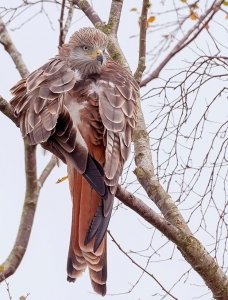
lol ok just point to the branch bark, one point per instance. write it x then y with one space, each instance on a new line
61 26
68 21
6 109
30 202
89 12
33 187
9 46
142 41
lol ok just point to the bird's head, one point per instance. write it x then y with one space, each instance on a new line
86 50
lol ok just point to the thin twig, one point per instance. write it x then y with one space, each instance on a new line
46 171
142 41
8 290
68 20
140 267
61 27
187 38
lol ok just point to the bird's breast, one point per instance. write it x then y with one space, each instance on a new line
83 106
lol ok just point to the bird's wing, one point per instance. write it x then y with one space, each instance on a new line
44 119
117 92
38 99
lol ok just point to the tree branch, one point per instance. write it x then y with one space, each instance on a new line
191 248
9 46
61 27
188 38
142 41
89 12
32 187
140 267
148 214
111 30
46 171
31 196
7 110
68 20
114 16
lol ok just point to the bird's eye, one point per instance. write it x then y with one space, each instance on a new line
85 48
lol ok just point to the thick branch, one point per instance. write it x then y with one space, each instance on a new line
111 30
32 188
7 110
29 208
148 214
142 41
89 12
6 41
188 38
114 16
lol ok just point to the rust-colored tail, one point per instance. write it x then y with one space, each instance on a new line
85 203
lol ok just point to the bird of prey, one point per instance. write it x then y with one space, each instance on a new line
81 106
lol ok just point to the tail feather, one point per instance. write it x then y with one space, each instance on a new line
99 288
99 277
85 204
92 207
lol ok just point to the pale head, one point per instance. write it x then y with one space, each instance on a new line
86 50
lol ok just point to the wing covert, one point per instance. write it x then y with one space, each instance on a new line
118 110
38 99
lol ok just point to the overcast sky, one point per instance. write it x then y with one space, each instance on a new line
42 272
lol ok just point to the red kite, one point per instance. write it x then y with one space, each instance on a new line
81 106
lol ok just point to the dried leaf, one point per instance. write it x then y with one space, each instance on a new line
194 6
22 298
1 268
62 179
151 19
133 9
193 16
225 3
183 1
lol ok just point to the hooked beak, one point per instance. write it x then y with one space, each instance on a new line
98 55
100 58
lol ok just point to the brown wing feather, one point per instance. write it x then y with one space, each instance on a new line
38 99
118 109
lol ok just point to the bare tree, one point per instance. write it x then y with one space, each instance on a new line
184 177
